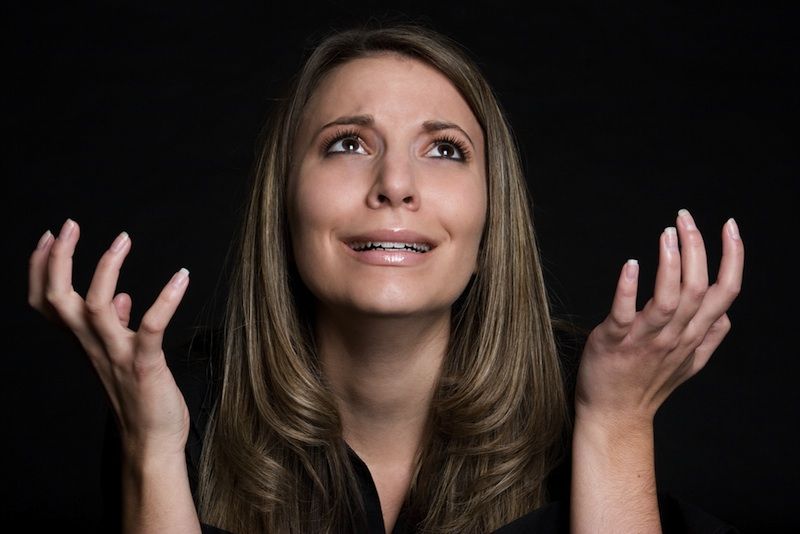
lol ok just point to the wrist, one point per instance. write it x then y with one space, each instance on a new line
614 438
621 423
145 462
613 474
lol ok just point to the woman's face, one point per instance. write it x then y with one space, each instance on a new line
388 153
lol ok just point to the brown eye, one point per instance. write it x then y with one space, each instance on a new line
346 145
446 148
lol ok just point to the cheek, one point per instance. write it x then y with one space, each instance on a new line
464 211
316 206
320 206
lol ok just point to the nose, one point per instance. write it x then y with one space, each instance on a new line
394 184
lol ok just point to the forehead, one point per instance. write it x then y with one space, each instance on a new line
392 88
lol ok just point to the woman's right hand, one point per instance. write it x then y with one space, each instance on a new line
151 412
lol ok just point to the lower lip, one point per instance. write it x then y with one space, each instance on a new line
388 258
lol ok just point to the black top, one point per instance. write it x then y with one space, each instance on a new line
192 370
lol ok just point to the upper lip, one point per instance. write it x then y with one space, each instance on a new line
389 235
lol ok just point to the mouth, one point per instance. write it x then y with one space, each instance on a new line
364 246
390 247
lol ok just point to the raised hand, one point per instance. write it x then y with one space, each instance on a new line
631 363
633 360
151 412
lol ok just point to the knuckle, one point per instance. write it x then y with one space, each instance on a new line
723 324
665 306
95 307
54 298
106 260
117 349
57 250
733 290
694 339
696 291
150 325
694 238
620 322
665 343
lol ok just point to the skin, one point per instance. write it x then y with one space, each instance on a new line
151 412
382 331
632 362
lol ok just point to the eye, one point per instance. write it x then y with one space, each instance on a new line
344 142
449 148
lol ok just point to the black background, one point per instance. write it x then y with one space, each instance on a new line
144 118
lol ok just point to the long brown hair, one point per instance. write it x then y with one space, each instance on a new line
273 456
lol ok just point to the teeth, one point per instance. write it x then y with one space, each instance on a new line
389 245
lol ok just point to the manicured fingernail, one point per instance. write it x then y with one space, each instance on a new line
671 237
688 221
179 278
631 269
733 229
66 230
44 240
119 242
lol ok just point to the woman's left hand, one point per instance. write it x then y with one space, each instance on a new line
633 360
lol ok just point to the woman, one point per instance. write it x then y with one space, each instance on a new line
388 323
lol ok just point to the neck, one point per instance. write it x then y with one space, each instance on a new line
382 372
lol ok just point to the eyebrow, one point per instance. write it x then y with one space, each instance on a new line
435 126
358 120
368 120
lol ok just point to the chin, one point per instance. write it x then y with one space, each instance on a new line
390 302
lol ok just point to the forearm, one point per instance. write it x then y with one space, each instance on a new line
613 478
156 496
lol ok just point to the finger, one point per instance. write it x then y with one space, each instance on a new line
104 283
59 266
66 303
122 304
719 329
694 270
37 275
623 309
60 295
659 310
151 330
724 291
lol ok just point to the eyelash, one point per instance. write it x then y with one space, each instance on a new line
329 141
459 145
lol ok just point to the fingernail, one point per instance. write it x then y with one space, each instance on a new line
671 237
44 240
66 230
631 269
733 229
179 278
119 242
688 221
